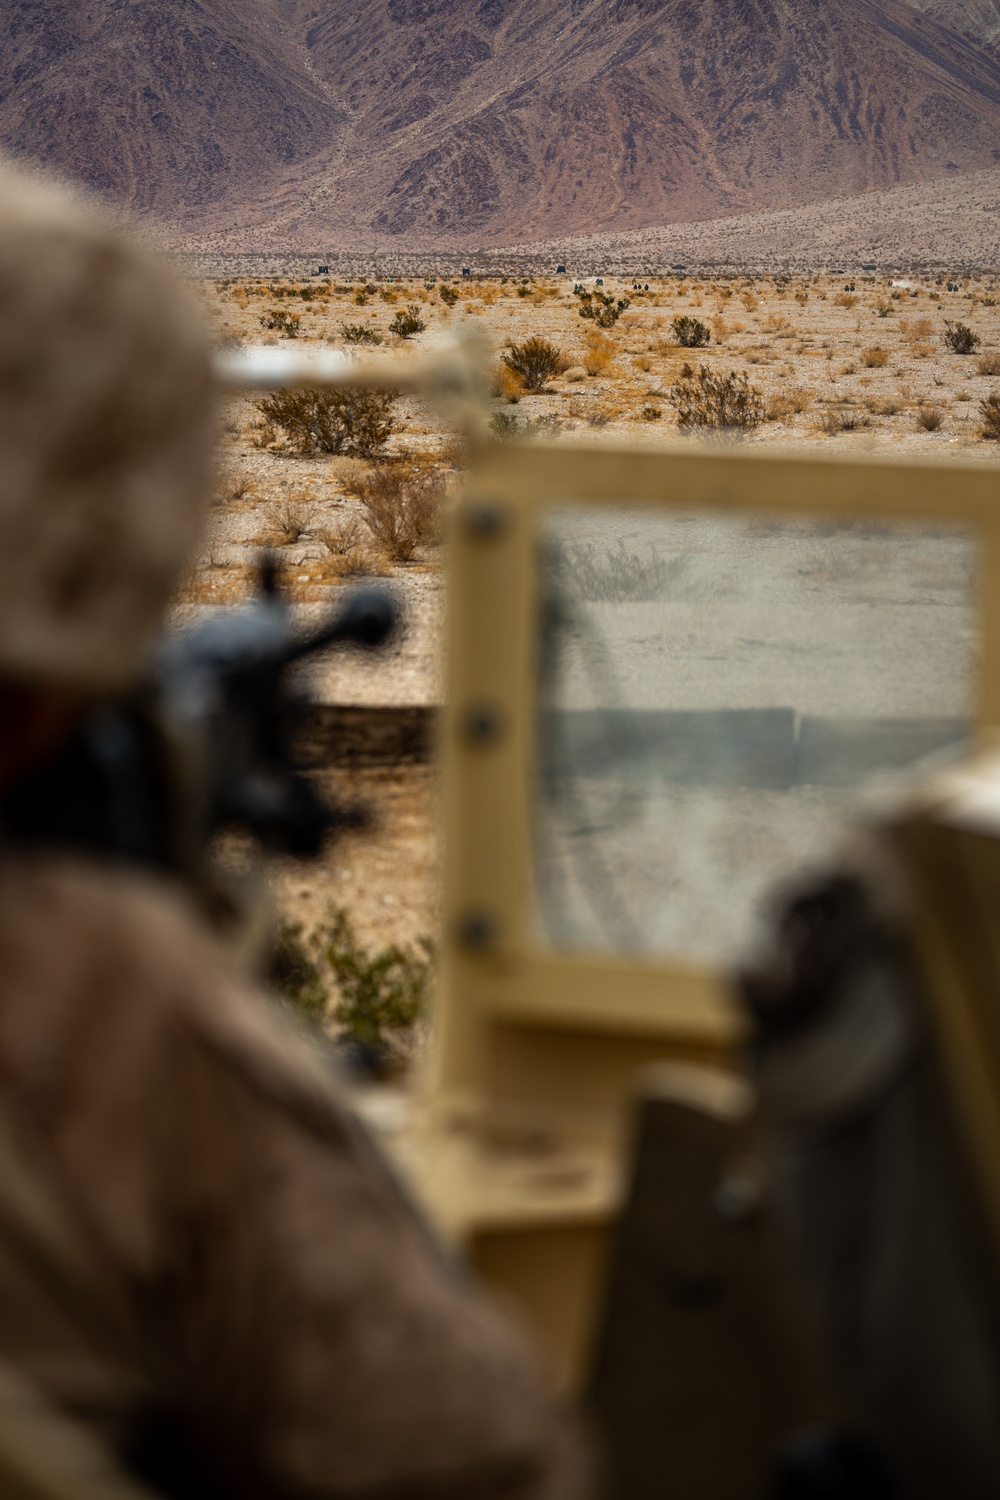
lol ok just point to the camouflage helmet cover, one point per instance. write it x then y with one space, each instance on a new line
105 440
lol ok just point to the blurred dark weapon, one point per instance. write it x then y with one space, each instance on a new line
205 744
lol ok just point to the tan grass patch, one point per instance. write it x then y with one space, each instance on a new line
884 406
929 418
600 354
875 357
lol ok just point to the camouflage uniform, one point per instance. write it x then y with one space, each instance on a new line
200 1254
196 1245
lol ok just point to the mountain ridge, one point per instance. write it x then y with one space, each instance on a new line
428 123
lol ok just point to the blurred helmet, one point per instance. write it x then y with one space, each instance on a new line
106 429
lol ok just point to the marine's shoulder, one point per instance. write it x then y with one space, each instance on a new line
89 948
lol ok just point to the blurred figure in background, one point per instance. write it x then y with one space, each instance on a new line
200 1256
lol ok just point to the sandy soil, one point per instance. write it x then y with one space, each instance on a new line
864 370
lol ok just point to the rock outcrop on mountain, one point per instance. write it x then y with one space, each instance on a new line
437 122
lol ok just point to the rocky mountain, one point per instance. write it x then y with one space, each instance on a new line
436 122
168 106
979 20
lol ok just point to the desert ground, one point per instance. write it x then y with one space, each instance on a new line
853 364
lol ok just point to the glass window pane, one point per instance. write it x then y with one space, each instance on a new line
720 697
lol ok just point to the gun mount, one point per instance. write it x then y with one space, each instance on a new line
205 744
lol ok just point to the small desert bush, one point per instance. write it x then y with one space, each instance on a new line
406 324
351 550
787 404
535 361
402 509
359 333
989 411
929 418
843 419
988 364
290 523
875 357
504 426
373 999
280 320
691 333
922 328
507 384
750 301
960 338
716 401
601 307
845 299
358 423
448 296
720 329
884 406
600 354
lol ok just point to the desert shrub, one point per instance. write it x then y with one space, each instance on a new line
691 333
929 418
290 523
507 384
351 551
449 296
535 361
358 423
651 414
380 996
885 310
618 577
374 999
504 426
601 307
989 411
885 406
845 299
750 302
402 509
960 338
988 364
787 404
406 324
359 333
843 419
875 358
280 320
600 354
716 401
